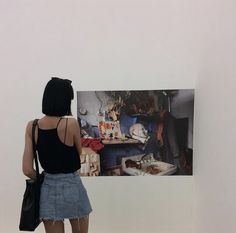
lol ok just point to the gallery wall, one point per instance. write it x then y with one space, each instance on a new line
101 45
215 114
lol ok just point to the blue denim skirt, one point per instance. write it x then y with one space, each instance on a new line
63 196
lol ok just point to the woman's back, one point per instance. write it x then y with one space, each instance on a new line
55 145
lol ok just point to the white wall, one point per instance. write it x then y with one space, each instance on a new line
215 161
125 44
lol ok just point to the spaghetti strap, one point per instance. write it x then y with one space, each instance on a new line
65 131
58 122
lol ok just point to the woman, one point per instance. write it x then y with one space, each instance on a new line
63 195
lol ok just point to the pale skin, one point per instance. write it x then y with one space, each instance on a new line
72 138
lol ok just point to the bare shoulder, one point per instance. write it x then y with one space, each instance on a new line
73 123
72 120
29 127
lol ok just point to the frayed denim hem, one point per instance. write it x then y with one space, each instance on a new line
63 219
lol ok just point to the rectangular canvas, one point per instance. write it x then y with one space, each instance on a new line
136 132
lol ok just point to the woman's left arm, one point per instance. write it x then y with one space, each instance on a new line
28 156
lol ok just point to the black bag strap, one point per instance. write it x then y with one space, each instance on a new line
35 122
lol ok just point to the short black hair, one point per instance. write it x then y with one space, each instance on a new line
57 97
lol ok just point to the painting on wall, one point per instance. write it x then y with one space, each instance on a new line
133 133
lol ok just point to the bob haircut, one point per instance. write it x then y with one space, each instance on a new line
57 97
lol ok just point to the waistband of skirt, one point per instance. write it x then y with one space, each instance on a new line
61 175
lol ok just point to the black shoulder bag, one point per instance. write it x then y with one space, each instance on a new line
29 219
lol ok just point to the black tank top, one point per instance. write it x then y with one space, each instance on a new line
54 155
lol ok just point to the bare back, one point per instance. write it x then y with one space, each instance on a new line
68 129
63 126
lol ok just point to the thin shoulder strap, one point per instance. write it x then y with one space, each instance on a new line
58 122
65 131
